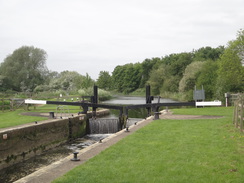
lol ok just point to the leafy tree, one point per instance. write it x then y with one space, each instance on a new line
189 78
66 80
208 53
118 78
70 81
146 66
231 70
132 77
25 68
87 81
5 84
207 78
156 80
127 78
166 75
178 63
104 80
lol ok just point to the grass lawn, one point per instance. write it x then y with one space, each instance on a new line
171 151
14 118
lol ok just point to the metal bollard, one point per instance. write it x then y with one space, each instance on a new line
51 115
75 157
156 115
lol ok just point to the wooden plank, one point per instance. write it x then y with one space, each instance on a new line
30 101
209 103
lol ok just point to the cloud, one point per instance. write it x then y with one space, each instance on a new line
93 36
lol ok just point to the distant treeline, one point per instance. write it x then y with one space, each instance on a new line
218 70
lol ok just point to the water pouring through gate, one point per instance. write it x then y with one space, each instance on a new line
103 125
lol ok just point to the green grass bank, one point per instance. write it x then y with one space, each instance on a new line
14 118
171 151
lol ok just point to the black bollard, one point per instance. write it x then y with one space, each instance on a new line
51 115
156 115
75 157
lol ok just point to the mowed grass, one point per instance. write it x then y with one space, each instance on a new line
14 118
171 151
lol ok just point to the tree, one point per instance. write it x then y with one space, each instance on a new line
25 68
5 84
104 80
177 63
87 82
70 81
118 77
207 78
208 53
156 80
127 78
231 70
146 66
189 78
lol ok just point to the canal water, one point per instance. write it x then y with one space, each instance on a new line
133 113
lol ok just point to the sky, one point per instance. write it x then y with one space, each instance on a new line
89 36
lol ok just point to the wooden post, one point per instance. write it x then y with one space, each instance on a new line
2 105
234 113
241 114
238 117
237 114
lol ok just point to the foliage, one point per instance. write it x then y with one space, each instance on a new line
178 63
104 80
127 78
171 73
156 80
66 82
208 53
189 78
207 78
24 69
102 94
146 66
231 70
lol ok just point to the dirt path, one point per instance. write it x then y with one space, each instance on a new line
169 115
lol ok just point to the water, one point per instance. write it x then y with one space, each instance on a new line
110 124
103 125
125 100
86 141
133 113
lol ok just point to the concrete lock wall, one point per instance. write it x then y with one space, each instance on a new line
25 141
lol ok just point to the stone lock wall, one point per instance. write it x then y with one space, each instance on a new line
25 141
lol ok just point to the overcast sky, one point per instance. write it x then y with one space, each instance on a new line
89 36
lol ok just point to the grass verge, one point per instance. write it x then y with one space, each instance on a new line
14 118
202 150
